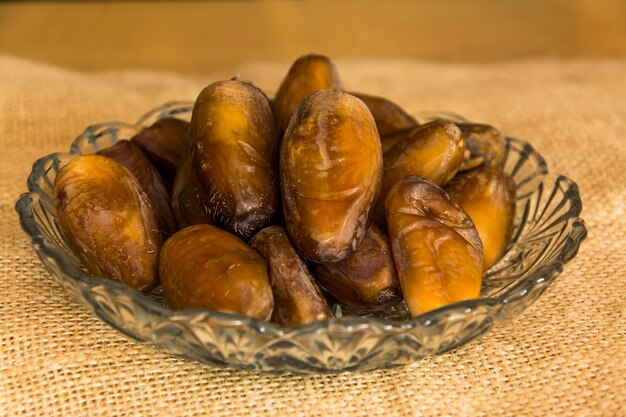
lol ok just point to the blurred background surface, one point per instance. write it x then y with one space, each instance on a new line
198 36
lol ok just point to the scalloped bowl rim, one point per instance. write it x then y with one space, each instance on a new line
544 275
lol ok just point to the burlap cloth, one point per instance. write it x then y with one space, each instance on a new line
565 355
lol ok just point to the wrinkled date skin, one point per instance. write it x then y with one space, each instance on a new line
233 152
433 150
390 118
133 159
484 146
367 280
108 221
435 246
163 144
308 74
205 267
297 299
488 197
331 165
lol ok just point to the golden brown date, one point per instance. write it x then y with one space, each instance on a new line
433 150
330 172
108 221
203 266
297 300
367 280
488 197
484 146
390 118
389 141
308 74
162 143
134 160
233 152
435 246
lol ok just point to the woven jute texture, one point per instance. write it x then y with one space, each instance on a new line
565 355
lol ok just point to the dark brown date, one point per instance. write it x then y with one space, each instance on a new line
435 246
108 220
390 118
163 143
330 170
297 300
133 159
367 280
188 197
233 152
203 266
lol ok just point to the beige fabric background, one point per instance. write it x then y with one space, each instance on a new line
566 355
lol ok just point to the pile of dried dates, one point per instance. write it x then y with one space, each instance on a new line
271 208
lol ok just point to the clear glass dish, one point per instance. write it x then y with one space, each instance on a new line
547 235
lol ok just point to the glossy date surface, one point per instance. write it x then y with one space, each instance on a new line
331 167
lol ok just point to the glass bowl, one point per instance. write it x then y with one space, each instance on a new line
547 235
